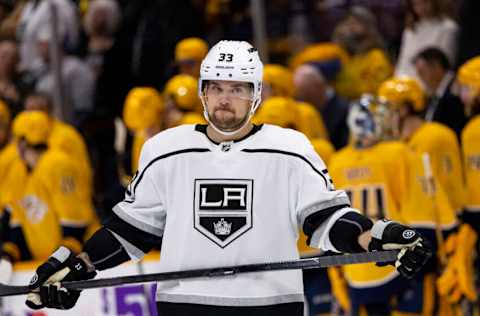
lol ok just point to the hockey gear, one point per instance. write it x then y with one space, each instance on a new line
402 91
45 288
232 61
370 118
143 108
469 75
279 79
5 271
33 126
457 279
279 111
413 254
307 263
182 91
192 48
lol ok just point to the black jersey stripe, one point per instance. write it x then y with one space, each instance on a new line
173 153
288 153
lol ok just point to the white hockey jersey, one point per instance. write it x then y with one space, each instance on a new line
229 204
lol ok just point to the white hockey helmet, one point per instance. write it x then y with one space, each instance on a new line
233 61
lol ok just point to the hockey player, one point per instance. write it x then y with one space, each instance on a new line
64 137
468 77
44 203
252 188
189 53
432 208
459 278
183 105
143 114
278 81
372 170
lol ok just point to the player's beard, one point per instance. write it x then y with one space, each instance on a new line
228 124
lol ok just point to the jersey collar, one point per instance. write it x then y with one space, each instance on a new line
202 128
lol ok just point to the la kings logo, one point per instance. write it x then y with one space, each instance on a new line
223 208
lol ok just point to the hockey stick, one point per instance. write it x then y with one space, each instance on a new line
308 263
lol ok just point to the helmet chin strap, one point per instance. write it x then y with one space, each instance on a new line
224 133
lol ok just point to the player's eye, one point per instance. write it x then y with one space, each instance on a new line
216 89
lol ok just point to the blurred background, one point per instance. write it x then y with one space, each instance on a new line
109 74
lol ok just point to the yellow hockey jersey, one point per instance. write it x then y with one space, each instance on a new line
66 138
323 148
7 156
375 179
420 208
471 156
363 74
309 121
46 199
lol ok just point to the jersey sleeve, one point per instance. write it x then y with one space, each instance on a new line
143 206
317 205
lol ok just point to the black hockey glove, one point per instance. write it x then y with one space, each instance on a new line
414 252
62 265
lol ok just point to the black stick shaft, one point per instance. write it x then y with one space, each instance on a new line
308 263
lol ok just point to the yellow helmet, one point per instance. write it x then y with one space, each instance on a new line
469 75
4 113
399 91
33 126
143 108
183 91
279 111
279 78
321 52
192 48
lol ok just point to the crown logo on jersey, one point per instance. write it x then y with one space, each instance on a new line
222 227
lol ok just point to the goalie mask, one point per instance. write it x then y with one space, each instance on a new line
370 120
232 61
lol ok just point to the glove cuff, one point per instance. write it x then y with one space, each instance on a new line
379 227
61 254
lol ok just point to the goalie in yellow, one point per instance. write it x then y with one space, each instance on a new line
435 188
44 201
372 170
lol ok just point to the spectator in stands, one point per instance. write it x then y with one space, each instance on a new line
12 85
189 54
78 83
101 22
35 18
428 25
311 86
434 70
368 65
10 11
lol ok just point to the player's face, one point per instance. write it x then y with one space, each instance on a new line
28 154
228 103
